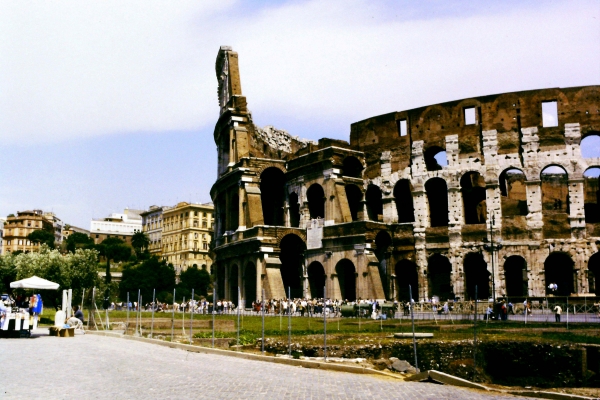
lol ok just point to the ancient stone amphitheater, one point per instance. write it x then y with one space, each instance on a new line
490 192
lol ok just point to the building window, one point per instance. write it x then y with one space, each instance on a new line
205 246
469 115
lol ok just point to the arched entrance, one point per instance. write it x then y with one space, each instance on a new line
347 278
594 273
404 201
513 192
515 275
407 274
476 274
473 192
352 167
383 241
591 195
294 210
373 197
354 196
250 284
233 284
558 269
316 201
438 273
437 196
292 261
271 194
316 279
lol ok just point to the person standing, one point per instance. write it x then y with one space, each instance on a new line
557 311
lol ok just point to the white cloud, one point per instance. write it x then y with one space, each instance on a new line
78 69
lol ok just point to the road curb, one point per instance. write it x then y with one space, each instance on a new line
257 357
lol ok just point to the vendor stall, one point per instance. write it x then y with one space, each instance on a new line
18 321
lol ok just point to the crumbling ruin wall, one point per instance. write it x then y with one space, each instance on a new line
455 167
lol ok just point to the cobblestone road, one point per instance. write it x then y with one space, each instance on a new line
96 367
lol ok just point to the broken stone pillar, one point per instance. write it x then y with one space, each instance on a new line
452 150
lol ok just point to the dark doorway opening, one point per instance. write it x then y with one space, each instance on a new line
473 192
476 274
347 278
272 194
404 201
439 271
292 260
316 201
354 196
515 274
407 274
558 269
437 196
374 201
594 274
383 241
591 195
294 210
316 279
352 167
514 193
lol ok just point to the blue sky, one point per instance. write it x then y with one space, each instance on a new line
107 105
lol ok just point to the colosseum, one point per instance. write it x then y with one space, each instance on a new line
489 192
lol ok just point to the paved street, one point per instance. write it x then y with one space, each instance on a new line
96 367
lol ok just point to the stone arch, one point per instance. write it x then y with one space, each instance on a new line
220 280
558 269
316 279
473 190
352 167
281 233
272 182
555 190
249 279
354 196
515 276
476 274
407 273
434 118
437 196
294 210
374 201
383 242
291 254
346 273
434 157
591 195
315 196
513 192
593 273
439 272
404 201
264 167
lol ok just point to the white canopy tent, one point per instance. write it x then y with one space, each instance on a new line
35 282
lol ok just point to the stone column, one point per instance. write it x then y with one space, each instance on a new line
576 208
535 220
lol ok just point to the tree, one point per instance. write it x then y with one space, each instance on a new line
147 276
8 272
140 242
71 271
195 278
42 236
113 249
79 240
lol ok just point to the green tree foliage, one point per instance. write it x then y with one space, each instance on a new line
113 249
42 236
79 240
140 242
8 272
71 271
150 274
194 278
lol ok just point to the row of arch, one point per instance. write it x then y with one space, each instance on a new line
558 269
555 197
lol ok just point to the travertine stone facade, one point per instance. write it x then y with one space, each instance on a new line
420 197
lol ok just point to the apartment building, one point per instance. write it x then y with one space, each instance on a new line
118 225
18 227
152 225
186 235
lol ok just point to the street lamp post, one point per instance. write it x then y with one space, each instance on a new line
491 248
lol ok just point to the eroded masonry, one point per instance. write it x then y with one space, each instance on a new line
413 199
